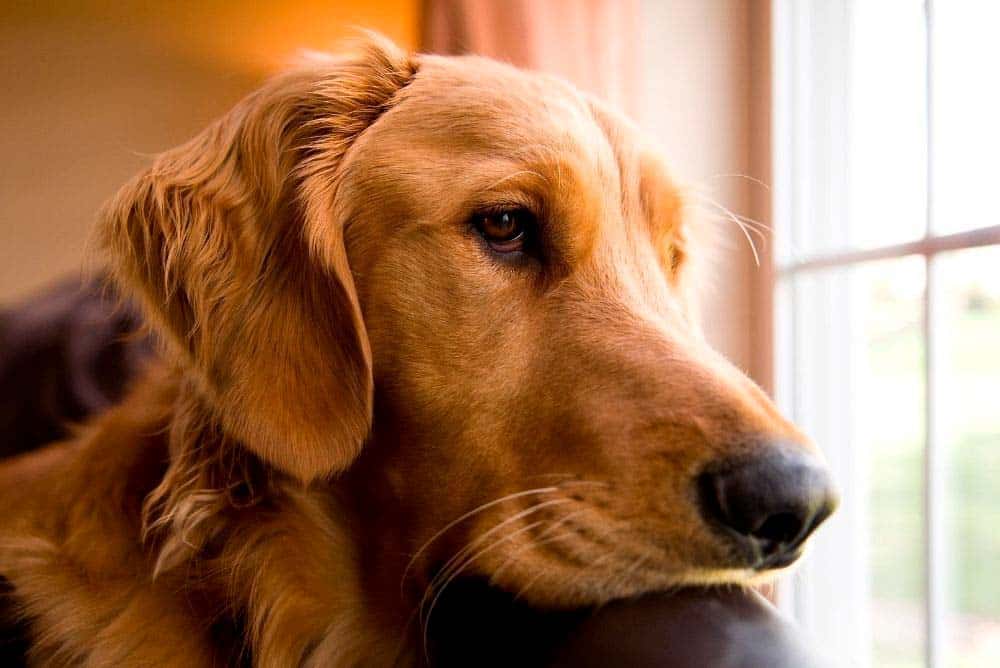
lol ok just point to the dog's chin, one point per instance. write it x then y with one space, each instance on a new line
542 581
576 588
745 576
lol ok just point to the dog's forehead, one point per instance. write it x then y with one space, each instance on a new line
466 128
473 104
476 104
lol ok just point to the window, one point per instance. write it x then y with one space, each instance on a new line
887 319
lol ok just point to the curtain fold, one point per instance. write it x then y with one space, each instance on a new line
593 43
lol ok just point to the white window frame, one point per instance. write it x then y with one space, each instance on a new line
830 596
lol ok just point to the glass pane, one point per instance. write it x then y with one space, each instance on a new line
967 338
859 392
851 103
890 420
887 134
966 62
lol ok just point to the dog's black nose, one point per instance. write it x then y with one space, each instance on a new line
770 503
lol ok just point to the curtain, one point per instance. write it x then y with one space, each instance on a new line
593 43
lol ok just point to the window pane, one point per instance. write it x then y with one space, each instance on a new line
859 392
967 336
852 107
890 423
966 66
888 130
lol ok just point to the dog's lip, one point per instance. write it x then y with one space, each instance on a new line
779 560
751 554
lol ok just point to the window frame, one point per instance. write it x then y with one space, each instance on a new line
793 46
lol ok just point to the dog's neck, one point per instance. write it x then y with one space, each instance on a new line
296 557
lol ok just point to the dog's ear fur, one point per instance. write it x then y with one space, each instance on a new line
230 244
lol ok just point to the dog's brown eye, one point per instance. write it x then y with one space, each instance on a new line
504 231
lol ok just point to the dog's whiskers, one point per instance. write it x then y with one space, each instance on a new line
593 564
593 483
746 233
453 567
746 225
759 229
458 571
752 179
456 561
462 518
703 198
543 538
486 506
624 576
459 562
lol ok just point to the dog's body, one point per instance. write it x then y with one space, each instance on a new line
80 565
477 274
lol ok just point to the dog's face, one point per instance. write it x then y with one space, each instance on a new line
521 259
482 276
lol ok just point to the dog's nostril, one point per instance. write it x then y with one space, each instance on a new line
777 529
770 503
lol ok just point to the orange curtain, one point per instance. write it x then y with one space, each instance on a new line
593 43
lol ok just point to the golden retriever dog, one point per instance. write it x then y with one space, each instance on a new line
423 318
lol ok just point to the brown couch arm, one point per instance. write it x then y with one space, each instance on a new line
693 627
690 628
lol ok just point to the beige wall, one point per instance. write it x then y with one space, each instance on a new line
703 100
91 89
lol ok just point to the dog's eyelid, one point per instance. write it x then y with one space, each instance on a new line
497 205
494 203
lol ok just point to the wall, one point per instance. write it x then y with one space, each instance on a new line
91 89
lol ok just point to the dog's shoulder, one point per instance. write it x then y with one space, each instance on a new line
75 572
112 461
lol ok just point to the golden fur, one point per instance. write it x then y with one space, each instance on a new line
354 392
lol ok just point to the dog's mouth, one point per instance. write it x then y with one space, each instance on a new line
769 548
778 561
570 545
566 581
758 556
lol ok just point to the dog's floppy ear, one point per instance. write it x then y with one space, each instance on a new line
230 243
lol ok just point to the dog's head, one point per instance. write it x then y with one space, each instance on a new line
466 286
